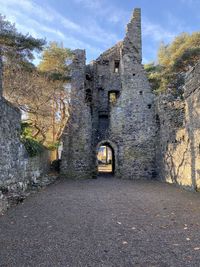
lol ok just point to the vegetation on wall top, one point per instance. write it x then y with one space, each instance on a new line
174 60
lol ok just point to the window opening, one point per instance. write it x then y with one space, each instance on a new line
112 97
116 69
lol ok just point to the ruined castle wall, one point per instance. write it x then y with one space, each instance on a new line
192 110
132 124
133 117
77 136
127 124
1 75
178 156
151 137
173 143
106 80
17 169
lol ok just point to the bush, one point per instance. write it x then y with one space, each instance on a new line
53 146
32 146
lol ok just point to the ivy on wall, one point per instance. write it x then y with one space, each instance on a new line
32 146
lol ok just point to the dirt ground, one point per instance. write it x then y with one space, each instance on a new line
103 222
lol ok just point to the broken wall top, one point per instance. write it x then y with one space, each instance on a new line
132 43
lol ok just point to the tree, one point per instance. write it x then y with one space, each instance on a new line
54 63
17 45
153 73
174 60
43 101
183 44
39 92
55 60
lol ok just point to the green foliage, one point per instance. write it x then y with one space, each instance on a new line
184 49
25 130
17 45
55 61
153 73
32 146
39 92
188 58
58 77
53 146
174 60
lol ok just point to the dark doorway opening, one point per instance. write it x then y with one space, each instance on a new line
106 159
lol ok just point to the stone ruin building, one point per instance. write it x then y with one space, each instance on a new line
113 105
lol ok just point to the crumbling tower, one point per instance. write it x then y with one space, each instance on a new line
126 124
76 155
135 109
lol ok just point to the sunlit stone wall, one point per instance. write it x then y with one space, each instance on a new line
178 150
127 125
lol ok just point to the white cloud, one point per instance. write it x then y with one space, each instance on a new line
103 8
68 24
94 4
39 12
22 10
29 7
32 26
74 43
156 32
43 22
178 24
25 29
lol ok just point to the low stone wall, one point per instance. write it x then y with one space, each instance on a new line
17 169
178 135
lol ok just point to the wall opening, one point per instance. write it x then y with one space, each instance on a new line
112 97
149 106
88 96
105 159
105 62
116 67
88 77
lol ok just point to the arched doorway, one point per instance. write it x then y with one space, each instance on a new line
105 159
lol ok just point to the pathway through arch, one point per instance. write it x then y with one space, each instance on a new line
105 159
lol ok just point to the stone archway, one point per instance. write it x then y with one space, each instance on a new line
106 157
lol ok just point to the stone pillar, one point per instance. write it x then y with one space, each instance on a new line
77 154
134 117
133 39
1 76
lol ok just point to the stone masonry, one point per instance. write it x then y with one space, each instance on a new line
127 125
112 104
151 137
17 169
178 149
76 155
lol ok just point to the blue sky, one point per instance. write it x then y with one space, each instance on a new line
97 25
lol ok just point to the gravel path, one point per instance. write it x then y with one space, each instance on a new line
103 222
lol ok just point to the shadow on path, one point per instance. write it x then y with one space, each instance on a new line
103 222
